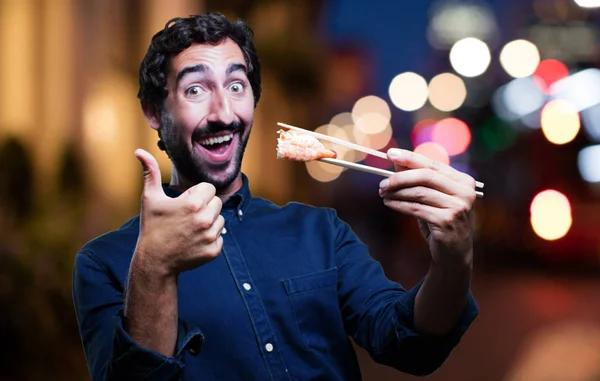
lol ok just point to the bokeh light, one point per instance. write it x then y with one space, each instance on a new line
421 132
550 215
447 92
591 122
560 121
520 58
522 96
453 134
588 162
580 89
470 57
588 3
433 151
380 140
408 91
342 119
371 114
549 72
453 21
324 172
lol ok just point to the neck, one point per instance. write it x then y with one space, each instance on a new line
180 183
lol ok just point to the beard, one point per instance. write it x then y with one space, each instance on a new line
189 164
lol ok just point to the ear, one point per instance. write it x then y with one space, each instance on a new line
151 114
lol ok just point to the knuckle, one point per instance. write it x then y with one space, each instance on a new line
447 221
419 193
202 222
434 165
414 207
192 204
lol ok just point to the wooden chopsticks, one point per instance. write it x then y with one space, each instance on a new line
355 166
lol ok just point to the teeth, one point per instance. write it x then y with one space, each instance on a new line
220 139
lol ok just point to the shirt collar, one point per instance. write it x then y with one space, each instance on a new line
237 202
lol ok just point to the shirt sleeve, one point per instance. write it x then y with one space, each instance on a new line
378 313
110 352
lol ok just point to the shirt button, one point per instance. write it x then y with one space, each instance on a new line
240 213
269 347
224 231
247 286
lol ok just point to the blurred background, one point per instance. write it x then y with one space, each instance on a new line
505 90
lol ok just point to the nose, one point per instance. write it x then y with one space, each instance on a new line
220 109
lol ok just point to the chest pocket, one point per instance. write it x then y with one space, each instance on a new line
314 301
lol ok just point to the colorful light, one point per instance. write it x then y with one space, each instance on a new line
549 72
520 58
433 151
452 134
550 215
421 132
588 162
560 121
470 57
447 92
371 114
408 91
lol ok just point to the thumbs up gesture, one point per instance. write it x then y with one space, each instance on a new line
177 234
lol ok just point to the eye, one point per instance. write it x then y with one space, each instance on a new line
236 87
193 91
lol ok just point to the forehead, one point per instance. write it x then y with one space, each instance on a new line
216 57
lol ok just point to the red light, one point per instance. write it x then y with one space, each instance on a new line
421 133
548 72
433 151
453 134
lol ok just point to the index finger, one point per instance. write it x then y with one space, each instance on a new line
413 160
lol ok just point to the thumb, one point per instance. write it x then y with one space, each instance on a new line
152 177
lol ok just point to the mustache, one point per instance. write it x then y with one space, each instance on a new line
216 127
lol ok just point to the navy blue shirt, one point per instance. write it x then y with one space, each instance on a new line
292 286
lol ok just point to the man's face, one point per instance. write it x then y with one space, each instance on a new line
208 113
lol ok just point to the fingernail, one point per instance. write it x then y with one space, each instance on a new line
384 184
394 153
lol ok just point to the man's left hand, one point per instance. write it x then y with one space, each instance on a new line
439 196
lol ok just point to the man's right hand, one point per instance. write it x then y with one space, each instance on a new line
176 234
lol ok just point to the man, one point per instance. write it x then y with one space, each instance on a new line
210 283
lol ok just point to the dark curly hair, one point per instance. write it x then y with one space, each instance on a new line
178 35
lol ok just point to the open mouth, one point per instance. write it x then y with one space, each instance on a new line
218 148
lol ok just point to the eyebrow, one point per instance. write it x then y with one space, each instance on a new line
235 67
200 68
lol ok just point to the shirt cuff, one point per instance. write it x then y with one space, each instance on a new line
426 353
133 361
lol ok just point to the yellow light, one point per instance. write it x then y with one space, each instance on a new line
343 153
447 92
342 119
371 114
322 172
550 215
408 91
560 121
380 140
470 57
520 58
352 132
